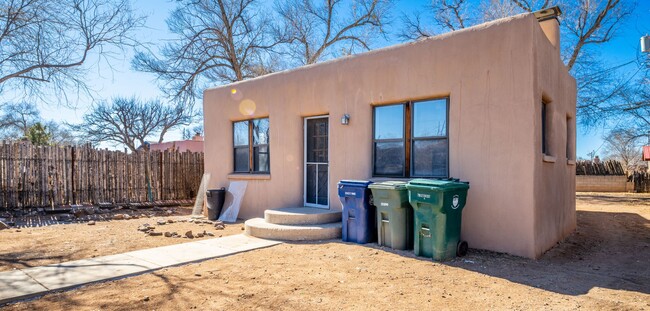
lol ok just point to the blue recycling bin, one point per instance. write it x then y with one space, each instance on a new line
358 213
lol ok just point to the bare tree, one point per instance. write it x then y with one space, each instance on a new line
61 134
189 133
44 43
17 118
495 9
586 23
448 15
130 122
219 41
634 101
623 145
315 29
591 23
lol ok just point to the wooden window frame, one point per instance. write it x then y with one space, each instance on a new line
409 138
251 149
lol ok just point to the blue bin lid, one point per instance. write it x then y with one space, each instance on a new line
355 183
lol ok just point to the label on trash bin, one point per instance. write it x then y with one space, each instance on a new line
383 204
350 193
455 201
424 196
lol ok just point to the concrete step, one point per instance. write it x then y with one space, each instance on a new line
258 227
301 216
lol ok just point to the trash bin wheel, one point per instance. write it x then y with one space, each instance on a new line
461 249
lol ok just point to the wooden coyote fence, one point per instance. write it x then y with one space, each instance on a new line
48 176
641 181
609 167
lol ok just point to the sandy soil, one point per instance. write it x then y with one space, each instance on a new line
37 246
603 266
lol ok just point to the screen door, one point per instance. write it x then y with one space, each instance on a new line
316 162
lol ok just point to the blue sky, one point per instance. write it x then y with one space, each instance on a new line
122 81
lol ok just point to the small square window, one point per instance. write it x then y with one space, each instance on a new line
251 146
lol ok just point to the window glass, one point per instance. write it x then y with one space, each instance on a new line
256 153
569 138
389 158
430 157
411 139
261 159
317 140
430 118
241 133
261 131
241 159
544 129
389 122
311 196
322 183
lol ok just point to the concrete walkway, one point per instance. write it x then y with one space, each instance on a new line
29 282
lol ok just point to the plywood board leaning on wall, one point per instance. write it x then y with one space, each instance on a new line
234 197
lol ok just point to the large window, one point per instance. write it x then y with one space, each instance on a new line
411 140
251 144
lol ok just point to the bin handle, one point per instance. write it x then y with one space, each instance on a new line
425 235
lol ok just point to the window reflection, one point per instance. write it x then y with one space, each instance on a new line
389 122
430 118
241 133
261 131
256 152
411 139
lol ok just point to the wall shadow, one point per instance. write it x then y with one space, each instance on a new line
607 250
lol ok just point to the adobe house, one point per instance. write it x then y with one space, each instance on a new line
492 104
193 145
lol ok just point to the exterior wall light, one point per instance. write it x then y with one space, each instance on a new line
345 119
645 44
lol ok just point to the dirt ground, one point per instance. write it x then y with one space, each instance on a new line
37 246
604 265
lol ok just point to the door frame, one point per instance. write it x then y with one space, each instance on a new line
304 163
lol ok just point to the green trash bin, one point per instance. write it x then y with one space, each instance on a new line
394 214
438 206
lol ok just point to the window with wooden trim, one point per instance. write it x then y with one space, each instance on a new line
411 139
251 146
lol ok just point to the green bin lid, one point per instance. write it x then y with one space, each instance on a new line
389 185
444 184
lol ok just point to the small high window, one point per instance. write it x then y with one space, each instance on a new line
545 128
251 146
411 140
570 132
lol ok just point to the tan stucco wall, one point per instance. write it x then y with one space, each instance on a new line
555 215
488 72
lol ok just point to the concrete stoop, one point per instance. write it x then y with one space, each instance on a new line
296 224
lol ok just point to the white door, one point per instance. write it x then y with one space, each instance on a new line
316 162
